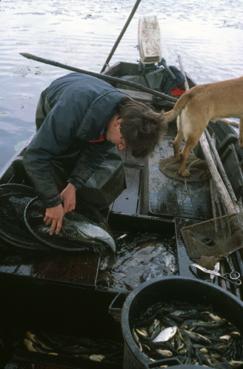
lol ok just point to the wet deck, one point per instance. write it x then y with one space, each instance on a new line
81 286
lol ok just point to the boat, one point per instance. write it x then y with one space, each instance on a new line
77 294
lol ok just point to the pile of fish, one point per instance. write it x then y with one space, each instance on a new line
191 335
97 350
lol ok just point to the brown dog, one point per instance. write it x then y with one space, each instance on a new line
197 107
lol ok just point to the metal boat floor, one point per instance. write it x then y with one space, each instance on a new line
171 197
56 267
128 201
148 191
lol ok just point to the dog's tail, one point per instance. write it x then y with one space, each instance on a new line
179 105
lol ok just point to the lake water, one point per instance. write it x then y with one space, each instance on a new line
206 34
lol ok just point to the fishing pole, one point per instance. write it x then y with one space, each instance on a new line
107 78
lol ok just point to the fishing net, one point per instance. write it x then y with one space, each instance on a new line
22 226
207 242
13 199
197 167
73 236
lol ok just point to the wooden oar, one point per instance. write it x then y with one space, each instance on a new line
107 78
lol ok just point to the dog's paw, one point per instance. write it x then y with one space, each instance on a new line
171 143
177 157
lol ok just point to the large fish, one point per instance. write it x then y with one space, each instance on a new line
77 227
76 233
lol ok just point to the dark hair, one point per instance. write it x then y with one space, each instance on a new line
141 127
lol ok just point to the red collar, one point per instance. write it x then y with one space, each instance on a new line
99 139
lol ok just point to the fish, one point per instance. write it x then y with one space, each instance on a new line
96 357
78 228
164 353
197 337
142 332
203 339
154 329
236 364
137 340
226 337
166 334
83 227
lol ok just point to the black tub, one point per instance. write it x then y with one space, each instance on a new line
173 288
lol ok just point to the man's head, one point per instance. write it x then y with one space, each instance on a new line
113 133
140 127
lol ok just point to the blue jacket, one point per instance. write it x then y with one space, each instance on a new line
80 108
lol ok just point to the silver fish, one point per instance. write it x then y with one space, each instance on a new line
142 332
90 230
226 337
164 353
166 334
77 227
97 357
236 364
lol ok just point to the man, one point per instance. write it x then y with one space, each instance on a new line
81 123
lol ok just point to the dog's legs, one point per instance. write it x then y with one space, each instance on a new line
178 139
241 132
190 144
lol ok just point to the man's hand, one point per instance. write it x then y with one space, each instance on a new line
68 195
54 218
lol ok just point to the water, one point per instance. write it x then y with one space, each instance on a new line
140 257
207 35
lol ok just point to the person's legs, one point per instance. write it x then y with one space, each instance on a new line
95 202
106 179
103 176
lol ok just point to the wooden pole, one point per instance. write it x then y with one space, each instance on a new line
120 36
230 206
101 76
183 72
221 167
219 184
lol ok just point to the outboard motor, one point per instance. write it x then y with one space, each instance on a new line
154 69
